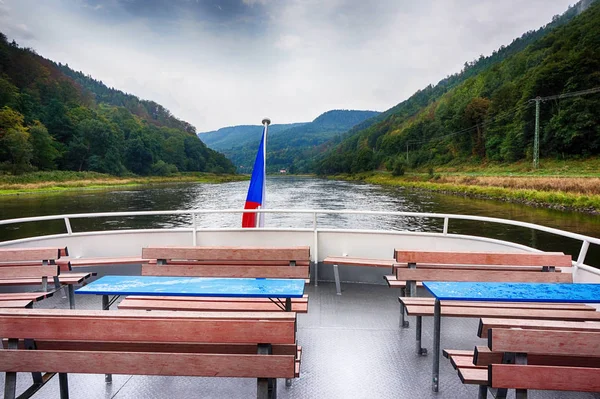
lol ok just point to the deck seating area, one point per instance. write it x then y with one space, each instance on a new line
531 354
35 266
254 339
257 345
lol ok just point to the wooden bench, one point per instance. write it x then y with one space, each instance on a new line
535 354
418 266
33 266
241 262
252 345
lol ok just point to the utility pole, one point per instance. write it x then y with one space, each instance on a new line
536 140
538 99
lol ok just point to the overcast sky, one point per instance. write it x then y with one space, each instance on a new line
217 63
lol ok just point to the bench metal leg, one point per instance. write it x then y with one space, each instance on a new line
403 322
71 295
64 385
521 358
336 275
420 350
437 313
482 392
10 380
266 387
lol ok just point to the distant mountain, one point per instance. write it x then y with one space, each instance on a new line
485 113
52 117
288 146
236 136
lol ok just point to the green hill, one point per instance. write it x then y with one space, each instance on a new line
52 117
485 114
288 146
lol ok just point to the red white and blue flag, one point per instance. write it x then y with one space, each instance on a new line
256 191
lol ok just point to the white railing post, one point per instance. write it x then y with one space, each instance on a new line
316 249
194 230
582 253
446 220
68 225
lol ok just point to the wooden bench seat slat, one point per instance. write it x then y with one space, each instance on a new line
67 279
440 266
32 296
16 303
85 262
304 298
545 314
487 323
518 305
481 275
484 258
248 349
29 254
235 306
147 363
350 261
556 378
473 376
300 272
393 282
233 263
465 362
12 272
227 253
483 356
557 342
457 352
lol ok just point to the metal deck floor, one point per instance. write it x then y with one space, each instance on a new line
352 348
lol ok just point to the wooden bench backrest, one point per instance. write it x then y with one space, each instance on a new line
155 326
29 254
28 271
454 266
556 259
251 262
485 324
215 255
549 342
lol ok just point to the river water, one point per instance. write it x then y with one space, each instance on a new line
297 193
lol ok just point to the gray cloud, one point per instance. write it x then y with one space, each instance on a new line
219 63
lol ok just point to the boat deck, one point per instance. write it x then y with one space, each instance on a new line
352 348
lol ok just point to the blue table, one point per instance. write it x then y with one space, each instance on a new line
501 292
195 286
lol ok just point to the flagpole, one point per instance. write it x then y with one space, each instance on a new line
261 217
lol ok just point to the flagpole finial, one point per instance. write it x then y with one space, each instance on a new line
267 121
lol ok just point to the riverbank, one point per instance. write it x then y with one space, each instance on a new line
41 182
573 185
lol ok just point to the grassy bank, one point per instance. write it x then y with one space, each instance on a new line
65 180
573 185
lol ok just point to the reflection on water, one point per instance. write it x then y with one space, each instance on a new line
296 193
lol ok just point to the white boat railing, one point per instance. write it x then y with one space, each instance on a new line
586 241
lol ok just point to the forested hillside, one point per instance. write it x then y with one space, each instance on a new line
485 113
52 117
289 147
236 136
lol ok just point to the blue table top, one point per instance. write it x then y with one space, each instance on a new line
515 292
195 286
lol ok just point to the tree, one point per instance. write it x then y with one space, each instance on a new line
474 115
44 150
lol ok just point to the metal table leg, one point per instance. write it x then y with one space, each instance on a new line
106 306
288 308
436 345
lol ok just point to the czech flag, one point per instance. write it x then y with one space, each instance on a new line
256 191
